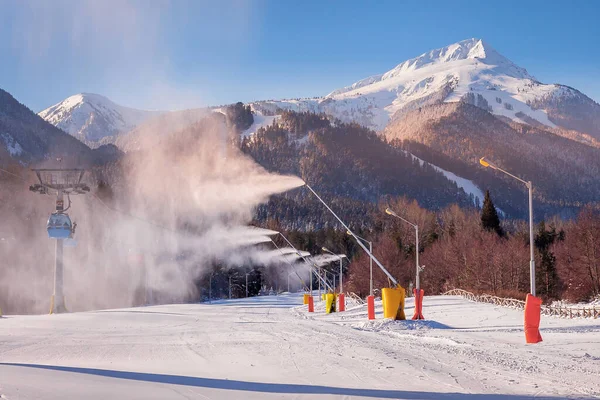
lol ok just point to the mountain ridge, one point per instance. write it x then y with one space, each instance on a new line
92 117
29 140
448 74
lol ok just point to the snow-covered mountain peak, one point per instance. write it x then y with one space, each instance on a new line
91 116
470 70
470 54
466 49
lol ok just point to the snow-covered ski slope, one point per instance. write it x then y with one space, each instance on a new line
271 348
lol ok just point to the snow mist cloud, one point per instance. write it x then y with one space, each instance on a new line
184 203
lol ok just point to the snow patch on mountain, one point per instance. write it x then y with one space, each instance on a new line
468 186
92 117
260 121
13 147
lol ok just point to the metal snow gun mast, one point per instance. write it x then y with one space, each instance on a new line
59 182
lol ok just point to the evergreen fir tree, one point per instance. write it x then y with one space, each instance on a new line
489 217
548 282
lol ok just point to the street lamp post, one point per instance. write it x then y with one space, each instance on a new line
529 186
418 292
418 268
248 273
370 261
210 288
532 303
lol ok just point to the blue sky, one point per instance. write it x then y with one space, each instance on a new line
181 54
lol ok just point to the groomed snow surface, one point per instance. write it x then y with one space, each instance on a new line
270 347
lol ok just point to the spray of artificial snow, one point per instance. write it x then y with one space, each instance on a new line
192 196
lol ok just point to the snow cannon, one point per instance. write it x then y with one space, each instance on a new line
371 307
330 303
533 306
393 302
418 304
305 298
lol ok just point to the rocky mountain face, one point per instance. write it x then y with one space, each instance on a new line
456 135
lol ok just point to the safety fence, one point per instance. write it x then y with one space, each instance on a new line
556 310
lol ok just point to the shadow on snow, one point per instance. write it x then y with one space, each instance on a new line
282 388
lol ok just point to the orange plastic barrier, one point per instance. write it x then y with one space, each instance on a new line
371 306
533 307
393 302
418 304
305 298
342 300
311 304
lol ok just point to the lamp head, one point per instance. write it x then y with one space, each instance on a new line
483 162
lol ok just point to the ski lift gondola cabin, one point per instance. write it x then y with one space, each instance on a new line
59 226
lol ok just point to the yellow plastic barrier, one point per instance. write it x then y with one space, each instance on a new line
330 303
323 297
393 302
305 298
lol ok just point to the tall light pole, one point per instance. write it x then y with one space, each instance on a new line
340 256
247 273
418 292
370 260
529 186
392 213
532 304
210 288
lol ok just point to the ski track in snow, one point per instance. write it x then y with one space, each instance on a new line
468 186
271 347
260 121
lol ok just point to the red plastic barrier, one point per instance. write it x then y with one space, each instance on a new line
533 308
311 304
371 306
418 304
342 302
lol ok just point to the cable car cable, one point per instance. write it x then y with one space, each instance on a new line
104 204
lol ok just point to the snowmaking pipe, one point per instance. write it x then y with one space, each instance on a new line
291 266
308 262
340 256
385 271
